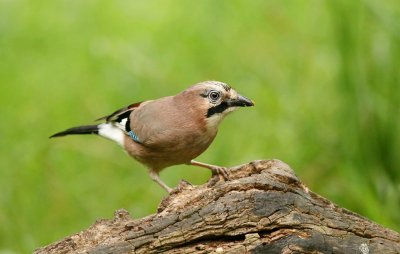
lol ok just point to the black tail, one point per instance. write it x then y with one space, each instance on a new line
87 129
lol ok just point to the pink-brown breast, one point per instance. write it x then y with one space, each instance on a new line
170 130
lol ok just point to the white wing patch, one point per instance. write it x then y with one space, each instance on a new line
112 132
121 124
123 121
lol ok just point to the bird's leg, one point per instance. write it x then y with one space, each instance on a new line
216 170
156 178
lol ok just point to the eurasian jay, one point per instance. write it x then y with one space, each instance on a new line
171 130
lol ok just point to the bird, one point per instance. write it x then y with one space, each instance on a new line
171 130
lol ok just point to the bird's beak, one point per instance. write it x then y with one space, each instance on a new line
240 101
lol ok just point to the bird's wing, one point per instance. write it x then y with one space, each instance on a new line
160 123
120 114
121 119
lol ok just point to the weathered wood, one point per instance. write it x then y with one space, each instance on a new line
263 208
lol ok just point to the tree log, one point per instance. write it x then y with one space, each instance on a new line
262 208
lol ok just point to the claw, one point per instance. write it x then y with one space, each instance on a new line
221 172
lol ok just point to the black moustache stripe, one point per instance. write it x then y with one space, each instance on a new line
217 109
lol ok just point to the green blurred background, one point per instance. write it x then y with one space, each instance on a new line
325 76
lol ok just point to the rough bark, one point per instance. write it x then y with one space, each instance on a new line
263 208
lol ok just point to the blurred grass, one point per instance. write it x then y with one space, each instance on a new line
324 74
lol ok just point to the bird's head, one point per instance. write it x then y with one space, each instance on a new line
214 100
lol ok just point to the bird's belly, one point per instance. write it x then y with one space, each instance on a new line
176 151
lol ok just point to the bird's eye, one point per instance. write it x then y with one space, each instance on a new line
214 96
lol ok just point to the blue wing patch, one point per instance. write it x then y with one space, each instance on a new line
133 136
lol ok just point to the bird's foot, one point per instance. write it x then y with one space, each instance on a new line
221 172
218 173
